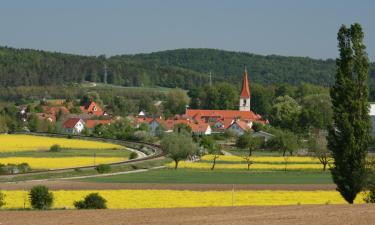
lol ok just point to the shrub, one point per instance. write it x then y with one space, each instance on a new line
23 167
103 168
133 155
40 197
55 148
91 201
2 199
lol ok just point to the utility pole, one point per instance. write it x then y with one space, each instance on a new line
210 76
105 73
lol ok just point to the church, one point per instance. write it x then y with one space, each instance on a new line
240 120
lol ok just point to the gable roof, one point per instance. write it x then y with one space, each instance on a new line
225 114
241 124
71 123
92 123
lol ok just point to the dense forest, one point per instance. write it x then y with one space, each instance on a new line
184 68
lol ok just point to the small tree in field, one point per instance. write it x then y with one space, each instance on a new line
246 141
40 197
318 147
208 143
2 199
178 146
91 201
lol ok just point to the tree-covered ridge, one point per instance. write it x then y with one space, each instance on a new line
184 68
225 65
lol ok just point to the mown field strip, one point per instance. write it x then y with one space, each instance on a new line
243 166
20 142
124 199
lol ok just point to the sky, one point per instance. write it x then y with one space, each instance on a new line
112 27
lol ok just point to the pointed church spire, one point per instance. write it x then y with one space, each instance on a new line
245 93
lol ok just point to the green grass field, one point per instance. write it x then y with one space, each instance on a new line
186 176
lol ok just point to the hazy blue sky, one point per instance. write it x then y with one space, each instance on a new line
93 27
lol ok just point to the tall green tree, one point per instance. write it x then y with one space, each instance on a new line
350 134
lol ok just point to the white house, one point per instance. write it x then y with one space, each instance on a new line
74 125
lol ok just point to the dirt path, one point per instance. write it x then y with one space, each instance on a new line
259 215
77 185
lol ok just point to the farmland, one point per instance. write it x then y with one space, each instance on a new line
123 199
15 143
34 150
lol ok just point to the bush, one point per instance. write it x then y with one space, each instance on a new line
23 167
133 155
40 197
55 148
103 168
2 199
91 201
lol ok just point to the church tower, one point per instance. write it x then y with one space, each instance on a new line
245 93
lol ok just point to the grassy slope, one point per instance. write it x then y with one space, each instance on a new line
218 177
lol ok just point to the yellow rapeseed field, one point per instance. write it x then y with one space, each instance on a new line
260 166
124 199
60 162
18 142
260 159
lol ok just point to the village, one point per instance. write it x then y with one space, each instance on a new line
91 115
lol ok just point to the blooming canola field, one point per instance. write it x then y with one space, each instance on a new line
61 162
132 199
20 142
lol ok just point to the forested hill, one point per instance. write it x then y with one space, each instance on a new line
183 68
228 65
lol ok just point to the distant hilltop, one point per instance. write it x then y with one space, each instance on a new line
184 68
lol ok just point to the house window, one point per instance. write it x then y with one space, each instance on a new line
94 109
244 102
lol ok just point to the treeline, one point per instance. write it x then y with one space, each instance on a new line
184 68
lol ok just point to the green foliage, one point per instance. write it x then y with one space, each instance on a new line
103 168
2 199
55 148
176 102
284 141
91 201
133 155
349 137
247 141
218 96
370 182
40 197
316 112
178 146
317 145
285 113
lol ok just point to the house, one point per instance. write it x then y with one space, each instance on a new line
46 117
372 117
200 129
74 125
90 124
266 136
92 108
239 127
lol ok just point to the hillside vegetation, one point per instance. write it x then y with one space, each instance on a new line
185 68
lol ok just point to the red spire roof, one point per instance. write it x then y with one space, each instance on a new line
245 93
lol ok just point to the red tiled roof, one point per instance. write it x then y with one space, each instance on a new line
201 128
92 123
224 114
70 123
245 93
89 108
